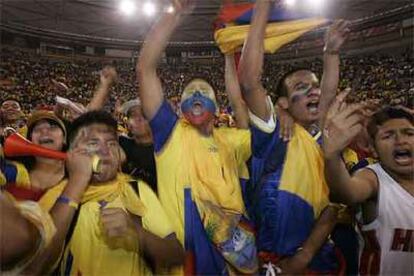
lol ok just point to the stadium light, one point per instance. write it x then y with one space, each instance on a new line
316 4
149 8
290 3
170 9
127 7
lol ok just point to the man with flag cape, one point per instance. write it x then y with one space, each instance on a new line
291 201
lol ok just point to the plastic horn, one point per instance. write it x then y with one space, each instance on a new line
16 145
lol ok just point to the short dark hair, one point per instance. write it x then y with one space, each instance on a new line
281 89
384 115
90 118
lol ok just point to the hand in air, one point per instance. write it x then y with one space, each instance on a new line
181 6
108 75
336 36
343 123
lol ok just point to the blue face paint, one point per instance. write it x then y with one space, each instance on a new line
296 95
207 104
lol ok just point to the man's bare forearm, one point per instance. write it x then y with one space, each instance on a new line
156 42
339 179
164 252
251 63
100 97
329 83
150 85
18 236
234 93
320 233
62 215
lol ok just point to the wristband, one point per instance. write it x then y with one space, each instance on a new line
329 51
68 201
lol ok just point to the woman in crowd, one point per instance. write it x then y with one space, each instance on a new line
37 174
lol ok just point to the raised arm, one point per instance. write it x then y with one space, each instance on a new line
18 236
234 93
251 63
156 41
341 127
165 253
108 77
334 39
79 168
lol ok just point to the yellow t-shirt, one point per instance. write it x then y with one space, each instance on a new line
90 252
14 172
184 151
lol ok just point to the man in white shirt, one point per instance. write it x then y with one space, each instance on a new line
388 185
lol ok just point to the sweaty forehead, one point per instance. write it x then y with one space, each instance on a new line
301 76
98 130
198 85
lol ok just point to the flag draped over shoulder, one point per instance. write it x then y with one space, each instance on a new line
285 25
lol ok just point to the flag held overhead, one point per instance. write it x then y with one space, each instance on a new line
286 25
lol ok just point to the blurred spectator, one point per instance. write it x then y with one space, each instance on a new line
138 144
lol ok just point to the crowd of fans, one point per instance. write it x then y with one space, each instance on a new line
31 79
97 181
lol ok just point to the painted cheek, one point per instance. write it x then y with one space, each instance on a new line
186 105
298 95
207 104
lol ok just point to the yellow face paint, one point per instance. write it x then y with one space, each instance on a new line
203 87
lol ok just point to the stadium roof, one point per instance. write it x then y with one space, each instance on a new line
102 18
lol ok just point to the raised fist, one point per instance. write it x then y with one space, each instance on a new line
181 6
336 36
108 75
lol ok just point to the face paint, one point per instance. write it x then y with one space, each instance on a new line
198 108
303 92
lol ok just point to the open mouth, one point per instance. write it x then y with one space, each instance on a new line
313 106
403 156
197 108
12 113
106 162
46 141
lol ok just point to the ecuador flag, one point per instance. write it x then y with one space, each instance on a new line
285 25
